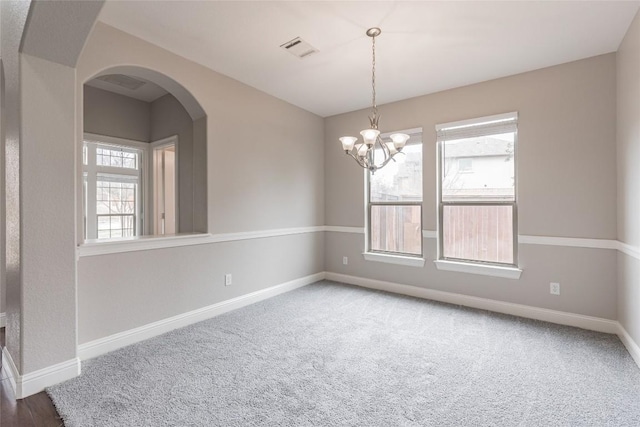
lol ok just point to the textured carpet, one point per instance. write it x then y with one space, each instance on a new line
336 355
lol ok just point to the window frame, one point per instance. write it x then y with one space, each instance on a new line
91 171
448 261
403 258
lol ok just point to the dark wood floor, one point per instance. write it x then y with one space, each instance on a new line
34 411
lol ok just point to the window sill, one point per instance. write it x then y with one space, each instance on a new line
482 269
394 259
141 243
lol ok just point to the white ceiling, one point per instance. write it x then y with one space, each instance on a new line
424 47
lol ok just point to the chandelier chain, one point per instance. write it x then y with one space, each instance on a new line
373 76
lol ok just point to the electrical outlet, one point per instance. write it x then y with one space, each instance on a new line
227 279
345 260
554 288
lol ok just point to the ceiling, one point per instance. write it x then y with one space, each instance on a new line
148 92
424 47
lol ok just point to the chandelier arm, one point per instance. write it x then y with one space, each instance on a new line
385 155
371 155
385 149
386 161
389 158
364 165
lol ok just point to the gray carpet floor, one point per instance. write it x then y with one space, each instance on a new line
336 355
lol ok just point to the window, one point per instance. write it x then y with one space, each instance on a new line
477 197
394 205
112 190
465 164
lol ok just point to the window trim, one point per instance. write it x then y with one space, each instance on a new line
469 265
401 258
484 269
393 258
141 173
478 120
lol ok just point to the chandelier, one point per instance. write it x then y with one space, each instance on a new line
373 149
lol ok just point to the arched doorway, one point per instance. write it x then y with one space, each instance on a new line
143 134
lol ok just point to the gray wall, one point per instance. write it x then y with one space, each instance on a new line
168 118
40 131
47 216
14 15
122 291
111 114
265 170
3 283
200 177
566 184
628 150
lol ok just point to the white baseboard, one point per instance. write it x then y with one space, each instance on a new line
113 342
3 320
632 347
553 316
560 317
11 370
35 382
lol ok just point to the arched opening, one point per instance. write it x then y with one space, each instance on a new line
143 156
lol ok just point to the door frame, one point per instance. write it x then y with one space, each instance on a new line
153 146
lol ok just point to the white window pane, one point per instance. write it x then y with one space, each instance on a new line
117 157
116 222
399 180
465 164
479 169
116 206
104 223
478 233
102 208
396 229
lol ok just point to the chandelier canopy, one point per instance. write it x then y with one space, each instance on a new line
365 152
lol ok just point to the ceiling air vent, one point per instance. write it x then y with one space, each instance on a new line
299 48
122 81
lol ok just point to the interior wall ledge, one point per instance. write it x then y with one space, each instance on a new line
142 243
525 239
93 248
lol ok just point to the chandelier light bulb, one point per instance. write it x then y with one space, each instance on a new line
348 142
399 140
362 150
370 136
